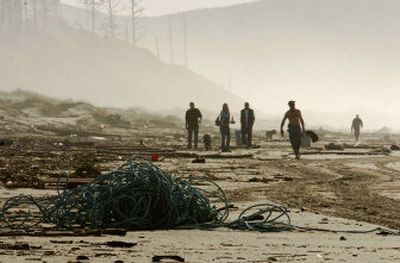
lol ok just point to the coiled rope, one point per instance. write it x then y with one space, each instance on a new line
140 196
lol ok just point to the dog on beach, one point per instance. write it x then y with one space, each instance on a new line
207 142
270 134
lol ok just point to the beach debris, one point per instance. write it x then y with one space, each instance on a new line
61 241
199 160
260 180
82 257
18 246
155 157
87 170
120 244
395 147
333 146
148 196
160 258
5 142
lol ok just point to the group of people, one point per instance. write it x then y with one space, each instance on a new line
247 119
296 127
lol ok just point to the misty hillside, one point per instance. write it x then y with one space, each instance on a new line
22 111
328 55
65 62
331 56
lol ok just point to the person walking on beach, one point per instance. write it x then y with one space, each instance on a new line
223 121
296 127
247 119
356 127
193 119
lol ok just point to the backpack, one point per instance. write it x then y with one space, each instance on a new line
217 121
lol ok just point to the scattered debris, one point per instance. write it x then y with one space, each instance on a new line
87 170
199 160
121 244
395 147
333 146
61 241
82 257
160 258
5 142
18 246
155 157
73 233
260 180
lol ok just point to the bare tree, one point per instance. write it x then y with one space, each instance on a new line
34 11
111 19
2 13
91 8
185 38
86 5
95 4
112 7
11 13
133 15
171 46
136 11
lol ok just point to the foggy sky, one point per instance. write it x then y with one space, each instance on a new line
162 7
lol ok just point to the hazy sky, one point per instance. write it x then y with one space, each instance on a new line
157 7
161 7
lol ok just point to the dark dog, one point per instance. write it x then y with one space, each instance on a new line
314 137
207 142
270 134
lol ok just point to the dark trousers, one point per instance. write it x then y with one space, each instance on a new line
225 137
193 130
295 138
357 134
247 133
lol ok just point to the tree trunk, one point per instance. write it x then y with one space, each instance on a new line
93 29
111 19
2 13
34 11
133 24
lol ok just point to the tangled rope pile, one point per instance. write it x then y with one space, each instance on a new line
138 196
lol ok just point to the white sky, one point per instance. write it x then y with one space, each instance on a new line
162 7
158 7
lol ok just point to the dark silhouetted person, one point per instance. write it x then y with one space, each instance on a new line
247 119
223 121
356 127
193 119
295 127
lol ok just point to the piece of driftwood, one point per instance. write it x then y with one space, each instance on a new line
59 233
344 152
176 258
212 155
